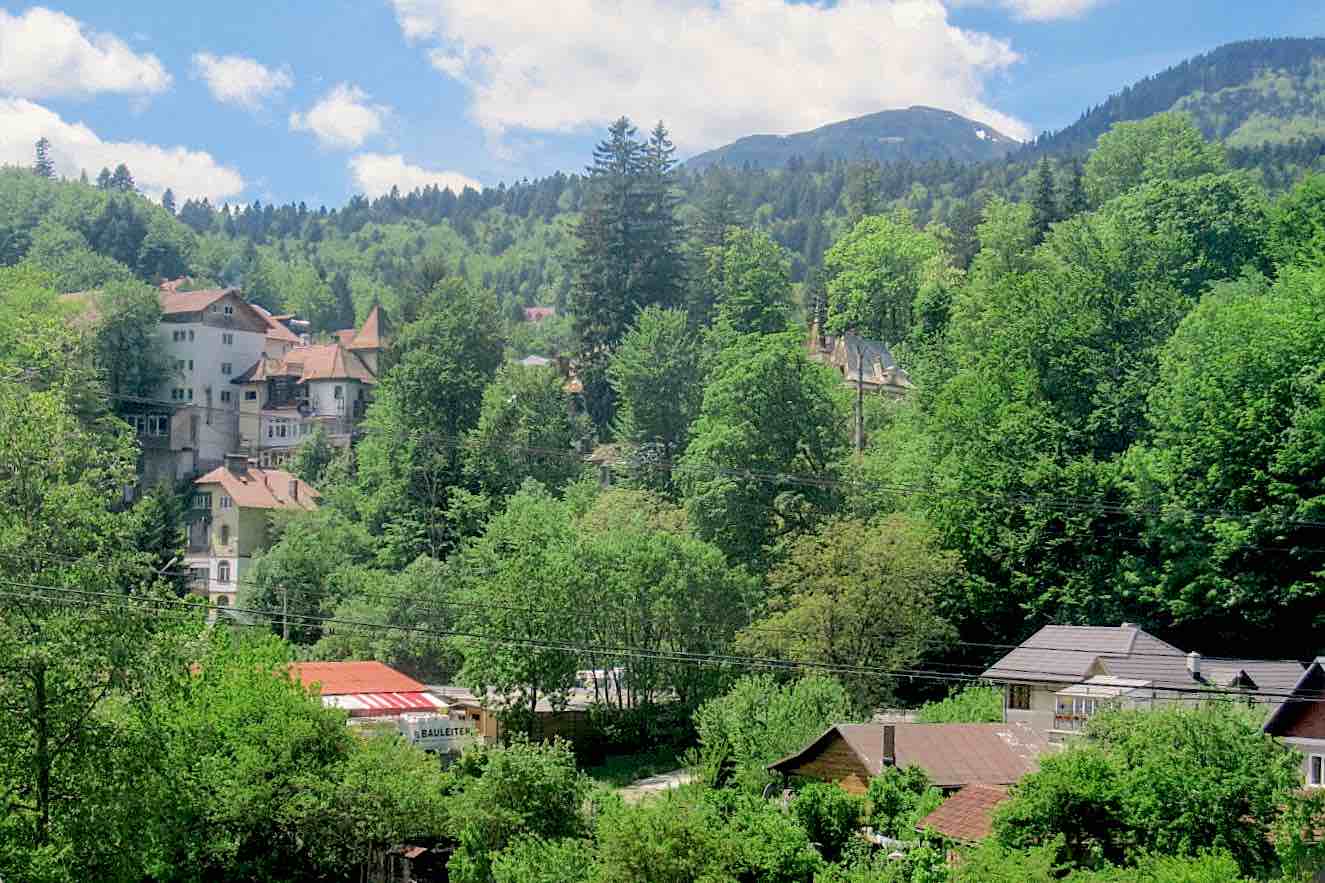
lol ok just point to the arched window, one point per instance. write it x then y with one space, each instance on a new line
223 572
222 600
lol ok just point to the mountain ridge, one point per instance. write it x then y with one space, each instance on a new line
915 133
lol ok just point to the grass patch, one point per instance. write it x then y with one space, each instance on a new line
620 770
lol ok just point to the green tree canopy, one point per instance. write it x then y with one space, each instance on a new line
1164 147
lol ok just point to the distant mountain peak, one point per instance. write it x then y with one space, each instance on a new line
916 133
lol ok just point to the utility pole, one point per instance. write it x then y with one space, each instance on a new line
285 613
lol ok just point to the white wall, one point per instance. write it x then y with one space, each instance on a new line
1044 703
208 352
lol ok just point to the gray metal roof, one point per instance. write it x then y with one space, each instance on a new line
1066 653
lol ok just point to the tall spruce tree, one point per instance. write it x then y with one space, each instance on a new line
103 179
629 253
1074 200
168 200
44 167
1044 201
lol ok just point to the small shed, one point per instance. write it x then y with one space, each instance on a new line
952 755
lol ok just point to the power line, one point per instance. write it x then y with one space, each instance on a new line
657 655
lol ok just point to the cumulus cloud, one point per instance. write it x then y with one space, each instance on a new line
234 79
343 117
377 173
76 148
712 69
47 54
1039 10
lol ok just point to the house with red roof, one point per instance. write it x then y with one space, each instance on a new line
376 695
230 520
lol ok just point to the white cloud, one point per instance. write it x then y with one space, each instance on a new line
76 148
46 54
341 118
234 79
377 173
714 70
1039 10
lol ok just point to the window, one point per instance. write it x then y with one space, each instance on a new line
190 364
222 600
339 392
1316 770
223 572
151 424
198 576
179 364
227 368
250 395
226 502
190 394
1074 711
229 310
271 430
190 335
228 339
225 534
225 395
202 501
1019 697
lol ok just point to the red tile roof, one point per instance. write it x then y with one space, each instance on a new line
952 755
968 815
371 334
340 678
538 314
191 301
331 361
262 488
275 329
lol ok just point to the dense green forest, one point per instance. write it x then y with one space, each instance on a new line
1118 414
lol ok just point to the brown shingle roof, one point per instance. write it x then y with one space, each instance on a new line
952 755
968 815
340 678
261 488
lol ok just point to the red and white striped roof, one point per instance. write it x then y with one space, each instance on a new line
383 704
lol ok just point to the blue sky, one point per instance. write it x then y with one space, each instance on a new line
315 100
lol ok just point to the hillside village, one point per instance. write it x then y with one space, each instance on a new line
849 520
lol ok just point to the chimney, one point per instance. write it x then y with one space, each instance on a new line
237 464
889 745
1194 663
1128 625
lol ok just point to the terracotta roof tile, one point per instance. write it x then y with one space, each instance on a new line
968 815
370 336
275 329
331 361
340 678
262 488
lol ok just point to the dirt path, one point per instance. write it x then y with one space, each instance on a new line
641 788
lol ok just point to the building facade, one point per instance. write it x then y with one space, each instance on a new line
284 398
1300 723
229 522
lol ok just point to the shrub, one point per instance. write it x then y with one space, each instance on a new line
969 705
829 815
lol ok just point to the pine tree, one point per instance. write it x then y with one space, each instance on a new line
82 177
168 200
122 180
44 167
606 261
864 187
1074 201
1044 201
103 179
663 269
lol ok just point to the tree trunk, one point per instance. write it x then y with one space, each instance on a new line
42 760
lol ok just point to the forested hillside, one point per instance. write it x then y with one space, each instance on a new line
1245 94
